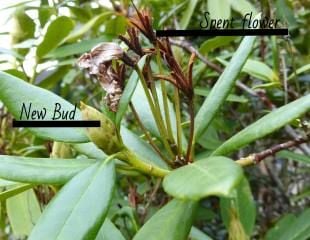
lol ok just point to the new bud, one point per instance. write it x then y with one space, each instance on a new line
106 137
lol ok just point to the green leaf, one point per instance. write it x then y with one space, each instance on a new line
82 13
87 26
173 11
40 170
171 222
45 13
219 9
243 204
56 32
258 70
142 107
23 26
6 183
90 150
293 156
79 209
210 139
14 191
108 231
291 228
300 70
52 77
285 11
283 224
230 98
266 125
222 87
14 92
116 26
17 73
215 43
141 148
187 15
243 7
23 212
214 176
128 92
76 48
11 53
196 234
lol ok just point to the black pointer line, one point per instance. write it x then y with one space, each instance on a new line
222 32
56 124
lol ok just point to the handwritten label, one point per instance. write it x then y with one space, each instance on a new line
248 22
29 112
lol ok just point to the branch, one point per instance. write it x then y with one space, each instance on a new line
259 94
258 157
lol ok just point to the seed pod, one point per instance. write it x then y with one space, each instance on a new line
106 137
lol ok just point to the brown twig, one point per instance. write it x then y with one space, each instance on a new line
255 158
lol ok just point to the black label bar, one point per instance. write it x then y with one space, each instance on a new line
222 32
56 124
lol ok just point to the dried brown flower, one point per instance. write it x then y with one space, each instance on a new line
98 62
142 21
133 41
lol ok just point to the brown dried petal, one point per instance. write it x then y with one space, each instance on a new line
101 53
98 63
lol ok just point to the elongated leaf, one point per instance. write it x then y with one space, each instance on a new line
196 234
11 53
141 148
79 209
6 183
128 92
14 191
174 10
243 7
40 170
242 204
56 33
23 212
284 223
108 231
174 221
214 43
142 107
187 15
258 70
294 156
219 9
14 92
23 26
291 228
90 150
300 70
222 87
214 176
266 125
230 98
87 26
76 48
